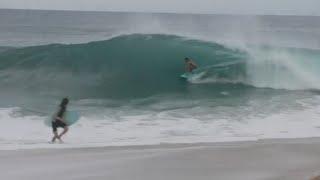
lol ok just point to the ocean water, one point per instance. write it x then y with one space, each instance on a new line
259 77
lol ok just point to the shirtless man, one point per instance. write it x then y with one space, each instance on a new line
190 65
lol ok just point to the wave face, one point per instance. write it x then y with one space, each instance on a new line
143 65
128 91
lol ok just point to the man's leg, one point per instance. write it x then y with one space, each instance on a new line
55 133
65 130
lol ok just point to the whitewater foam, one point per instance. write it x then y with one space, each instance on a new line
131 126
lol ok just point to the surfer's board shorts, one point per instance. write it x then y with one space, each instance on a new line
56 124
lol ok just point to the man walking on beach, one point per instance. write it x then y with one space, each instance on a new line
58 121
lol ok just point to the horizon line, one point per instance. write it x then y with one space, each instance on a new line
162 12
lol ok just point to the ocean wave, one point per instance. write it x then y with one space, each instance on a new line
150 64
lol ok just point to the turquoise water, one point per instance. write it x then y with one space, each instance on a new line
151 65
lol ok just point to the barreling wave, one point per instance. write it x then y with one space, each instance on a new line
138 64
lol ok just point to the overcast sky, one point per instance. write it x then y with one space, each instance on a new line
296 7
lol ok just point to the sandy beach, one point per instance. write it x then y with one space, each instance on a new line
294 159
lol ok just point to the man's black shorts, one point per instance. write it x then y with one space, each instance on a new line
55 124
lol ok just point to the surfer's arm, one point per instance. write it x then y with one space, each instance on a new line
194 65
59 118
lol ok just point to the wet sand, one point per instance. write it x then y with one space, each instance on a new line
294 159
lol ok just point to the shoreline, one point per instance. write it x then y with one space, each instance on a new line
268 159
170 145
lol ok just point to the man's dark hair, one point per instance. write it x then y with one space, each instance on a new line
64 102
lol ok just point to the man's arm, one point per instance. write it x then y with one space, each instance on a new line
194 65
60 119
